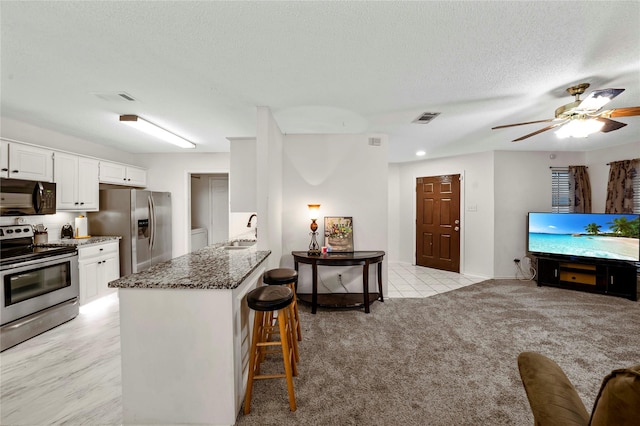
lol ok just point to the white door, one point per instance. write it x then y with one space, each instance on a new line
219 190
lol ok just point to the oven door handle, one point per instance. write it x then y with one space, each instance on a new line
44 261
38 191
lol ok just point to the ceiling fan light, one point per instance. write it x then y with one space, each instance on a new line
579 128
153 130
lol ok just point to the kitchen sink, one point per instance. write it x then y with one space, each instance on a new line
239 245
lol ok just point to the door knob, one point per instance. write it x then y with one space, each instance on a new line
457 222
457 228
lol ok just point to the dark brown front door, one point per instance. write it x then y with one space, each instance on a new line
438 222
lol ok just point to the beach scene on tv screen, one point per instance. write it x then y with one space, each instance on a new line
607 236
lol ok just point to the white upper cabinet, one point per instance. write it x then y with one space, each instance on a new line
122 174
77 186
30 162
4 159
243 175
89 183
136 176
113 173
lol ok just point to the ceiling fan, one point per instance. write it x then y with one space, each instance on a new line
581 118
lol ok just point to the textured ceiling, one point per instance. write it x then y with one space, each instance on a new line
200 69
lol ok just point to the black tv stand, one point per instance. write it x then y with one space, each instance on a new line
592 275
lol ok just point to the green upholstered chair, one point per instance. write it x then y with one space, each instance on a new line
555 402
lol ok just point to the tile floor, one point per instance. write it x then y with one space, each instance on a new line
406 280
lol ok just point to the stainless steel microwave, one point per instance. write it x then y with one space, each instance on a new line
26 197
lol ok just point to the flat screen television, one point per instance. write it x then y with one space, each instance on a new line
603 236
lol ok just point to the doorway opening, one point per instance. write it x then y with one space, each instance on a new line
438 222
209 209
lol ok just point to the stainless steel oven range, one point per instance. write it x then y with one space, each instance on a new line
40 287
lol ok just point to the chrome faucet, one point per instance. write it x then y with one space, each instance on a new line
249 223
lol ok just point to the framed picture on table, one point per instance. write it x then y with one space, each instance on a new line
338 233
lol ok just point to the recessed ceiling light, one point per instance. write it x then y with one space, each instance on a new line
421 153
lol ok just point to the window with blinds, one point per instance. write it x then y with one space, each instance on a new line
636 193
560 190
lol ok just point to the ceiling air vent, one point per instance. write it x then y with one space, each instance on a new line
114 96
426 117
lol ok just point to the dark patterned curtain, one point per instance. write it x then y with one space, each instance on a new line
620 186
581 188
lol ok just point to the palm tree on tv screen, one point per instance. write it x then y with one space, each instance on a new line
593 228
624 227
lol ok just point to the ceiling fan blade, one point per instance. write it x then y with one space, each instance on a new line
598 98
610 125
521 124
624 112
539 131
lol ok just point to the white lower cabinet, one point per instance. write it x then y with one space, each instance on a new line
99 264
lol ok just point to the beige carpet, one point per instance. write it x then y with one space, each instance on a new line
449 359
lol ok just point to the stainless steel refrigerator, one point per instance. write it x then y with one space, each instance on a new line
142 219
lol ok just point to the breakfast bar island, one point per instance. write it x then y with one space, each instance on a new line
185 334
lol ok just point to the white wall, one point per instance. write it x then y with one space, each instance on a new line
23 132
347 177
269 149
53 222
170 172
243 176
477 230
522 184
505 186
599 170
393 247
238 226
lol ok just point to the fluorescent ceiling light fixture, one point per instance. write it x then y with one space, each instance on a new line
152 129
421 153
580 128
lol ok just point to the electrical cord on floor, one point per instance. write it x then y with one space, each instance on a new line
525 269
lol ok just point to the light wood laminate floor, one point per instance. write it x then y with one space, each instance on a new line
69 375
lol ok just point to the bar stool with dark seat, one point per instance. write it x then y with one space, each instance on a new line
264 301
288 277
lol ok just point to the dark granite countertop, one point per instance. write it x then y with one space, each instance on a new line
212 267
